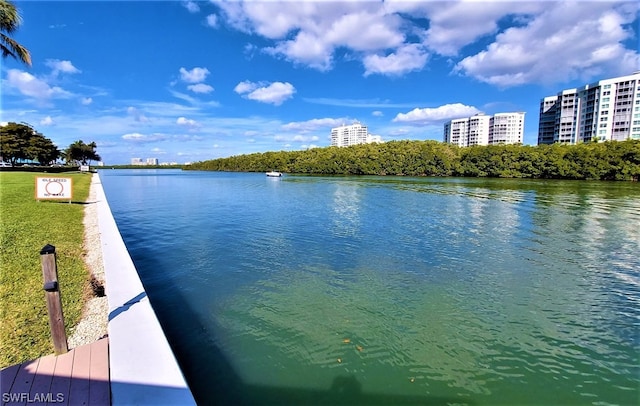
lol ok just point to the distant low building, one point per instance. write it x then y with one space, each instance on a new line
482 129
148 161
353 134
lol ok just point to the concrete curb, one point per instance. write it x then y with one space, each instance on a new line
143 368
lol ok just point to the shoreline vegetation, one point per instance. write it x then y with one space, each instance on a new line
27 226
612 160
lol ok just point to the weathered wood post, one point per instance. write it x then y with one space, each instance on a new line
52 294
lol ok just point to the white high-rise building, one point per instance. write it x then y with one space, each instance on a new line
607 110
481 129
506 128
353 134
152 161
456 132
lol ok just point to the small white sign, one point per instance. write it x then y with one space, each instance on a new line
54 188
84 168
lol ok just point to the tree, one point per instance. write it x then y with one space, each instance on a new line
43 150
79 152
21 141
9 22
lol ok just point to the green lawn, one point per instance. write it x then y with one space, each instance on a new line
26 226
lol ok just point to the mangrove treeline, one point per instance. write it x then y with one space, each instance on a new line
598 161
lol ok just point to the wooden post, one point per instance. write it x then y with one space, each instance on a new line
52 294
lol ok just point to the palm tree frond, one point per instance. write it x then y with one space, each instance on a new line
9 22
9 17
11 48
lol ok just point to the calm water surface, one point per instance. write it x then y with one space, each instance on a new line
388 290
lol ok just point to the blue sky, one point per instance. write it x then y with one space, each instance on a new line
186 81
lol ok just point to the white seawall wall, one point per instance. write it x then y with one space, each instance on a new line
143 368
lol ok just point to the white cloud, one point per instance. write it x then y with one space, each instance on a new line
521 39
274 93
302 138
405 59
377 113
571 40
200 88
137 115
183 121
313 125
194 75
245 87
142 138
86 101
212 21
307 49
192 6
309 33
436 115
47 121
366 30
30 86
453 25
57 66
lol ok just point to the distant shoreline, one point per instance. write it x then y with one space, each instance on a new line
611 160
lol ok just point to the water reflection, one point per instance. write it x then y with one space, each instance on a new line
346 201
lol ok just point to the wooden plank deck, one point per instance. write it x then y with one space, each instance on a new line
79 377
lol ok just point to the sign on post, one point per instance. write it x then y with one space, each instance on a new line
54 188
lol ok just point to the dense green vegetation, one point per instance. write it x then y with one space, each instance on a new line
21 142
602 161
26 226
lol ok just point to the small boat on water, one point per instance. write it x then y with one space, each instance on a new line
274 174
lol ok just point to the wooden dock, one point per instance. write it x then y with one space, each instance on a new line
79 377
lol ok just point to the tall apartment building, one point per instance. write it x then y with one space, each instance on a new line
506 128
152 161
481 129
607 110
353 134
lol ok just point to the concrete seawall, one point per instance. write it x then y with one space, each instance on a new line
143 368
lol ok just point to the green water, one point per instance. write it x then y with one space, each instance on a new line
366 290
